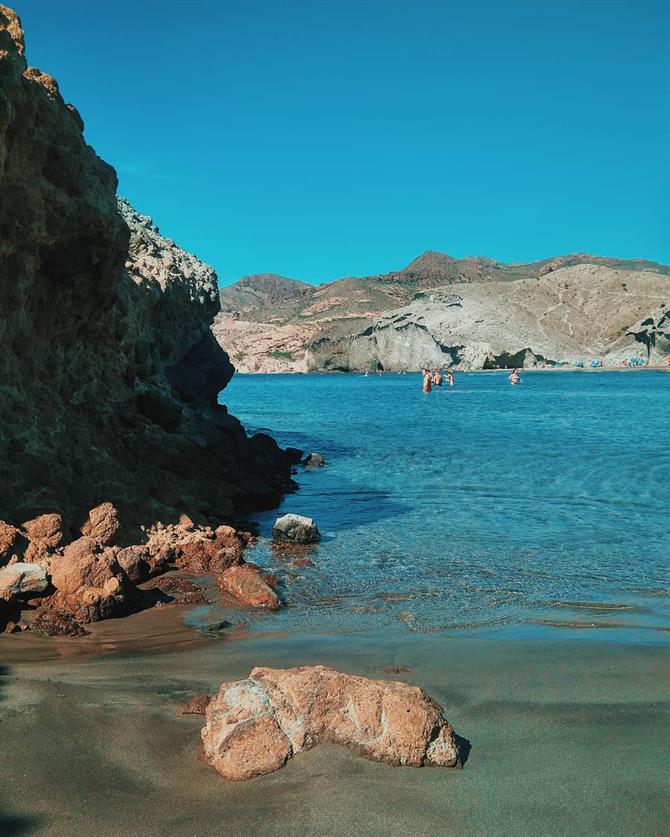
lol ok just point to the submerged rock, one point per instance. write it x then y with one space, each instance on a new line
247 584
314 460
295 528
254 726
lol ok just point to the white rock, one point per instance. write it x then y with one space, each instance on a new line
18 579
296 529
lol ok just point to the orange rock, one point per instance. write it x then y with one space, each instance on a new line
103 524
9 540
91 584
254 726
45 530
246 583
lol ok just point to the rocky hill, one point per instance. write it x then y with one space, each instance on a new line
291 326
567 315
109 373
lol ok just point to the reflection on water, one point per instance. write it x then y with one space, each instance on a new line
471 507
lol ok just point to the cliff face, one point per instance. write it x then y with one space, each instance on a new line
323 328
569 314
109 373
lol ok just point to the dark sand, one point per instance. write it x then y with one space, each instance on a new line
567 737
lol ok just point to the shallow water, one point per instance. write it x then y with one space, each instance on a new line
475 508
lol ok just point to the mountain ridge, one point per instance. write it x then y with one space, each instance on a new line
288 325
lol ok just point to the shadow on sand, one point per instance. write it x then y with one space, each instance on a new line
14 825
464 748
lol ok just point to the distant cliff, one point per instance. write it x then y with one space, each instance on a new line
470 313
109 373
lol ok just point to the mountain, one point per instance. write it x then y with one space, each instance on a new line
271 326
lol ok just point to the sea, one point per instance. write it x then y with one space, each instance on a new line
482 509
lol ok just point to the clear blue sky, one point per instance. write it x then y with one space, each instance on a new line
322 139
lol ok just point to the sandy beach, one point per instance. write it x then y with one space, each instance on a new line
565 737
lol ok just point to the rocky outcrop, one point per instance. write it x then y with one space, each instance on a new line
96 576
649 337
254 726
567 315
295 528
109 373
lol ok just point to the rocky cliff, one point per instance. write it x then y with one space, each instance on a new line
109 373
328 327
566 315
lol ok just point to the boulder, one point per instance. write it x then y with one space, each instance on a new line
294 528
246 583
91 584
314 460
10 538
47 530
103 524
22 579
45 534
136 562
254 726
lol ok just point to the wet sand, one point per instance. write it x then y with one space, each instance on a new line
567 737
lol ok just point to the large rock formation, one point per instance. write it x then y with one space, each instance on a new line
109 373
254 726
567 315
271 326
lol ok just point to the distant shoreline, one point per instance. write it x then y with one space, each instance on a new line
468 371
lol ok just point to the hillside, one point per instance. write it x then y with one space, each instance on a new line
271 324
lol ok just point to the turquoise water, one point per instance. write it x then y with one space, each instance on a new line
473 508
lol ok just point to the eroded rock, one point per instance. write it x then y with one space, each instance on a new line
254 726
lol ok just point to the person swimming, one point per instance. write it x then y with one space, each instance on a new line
437 378
450 378
427 378
514 378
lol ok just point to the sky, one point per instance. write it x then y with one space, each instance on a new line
327 139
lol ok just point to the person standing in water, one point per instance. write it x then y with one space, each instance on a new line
450 378
437 378
514 378
427 377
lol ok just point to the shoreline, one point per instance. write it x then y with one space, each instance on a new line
548 724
